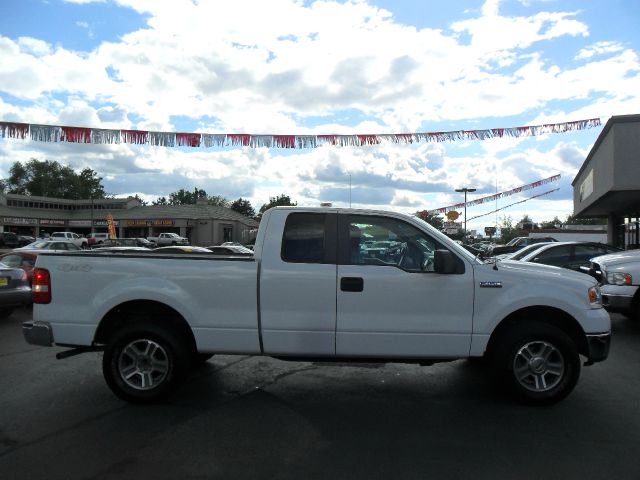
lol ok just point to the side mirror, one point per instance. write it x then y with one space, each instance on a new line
444 262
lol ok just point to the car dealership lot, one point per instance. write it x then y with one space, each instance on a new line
243 417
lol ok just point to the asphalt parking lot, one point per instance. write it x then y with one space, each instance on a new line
243 417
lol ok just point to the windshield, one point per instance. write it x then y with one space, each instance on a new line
40 244
526 250
447 241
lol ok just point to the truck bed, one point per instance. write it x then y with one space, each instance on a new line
216 295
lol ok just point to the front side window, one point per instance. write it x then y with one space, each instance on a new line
556 256
389 242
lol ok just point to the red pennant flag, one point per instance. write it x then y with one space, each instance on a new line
134 136
188 139
75 135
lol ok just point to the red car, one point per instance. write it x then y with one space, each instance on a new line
24 260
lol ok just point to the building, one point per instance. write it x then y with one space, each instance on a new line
608 183
203 224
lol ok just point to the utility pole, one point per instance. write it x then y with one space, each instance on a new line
465 190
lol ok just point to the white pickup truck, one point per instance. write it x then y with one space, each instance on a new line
619 277
76 239
168 239
311 291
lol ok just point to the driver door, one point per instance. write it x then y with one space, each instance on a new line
392 303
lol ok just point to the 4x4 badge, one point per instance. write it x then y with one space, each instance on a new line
490 284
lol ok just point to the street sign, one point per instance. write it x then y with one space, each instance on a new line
452 215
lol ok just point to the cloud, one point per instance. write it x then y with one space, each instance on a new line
599 48
287 66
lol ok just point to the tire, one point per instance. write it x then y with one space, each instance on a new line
538 362
145 363
5 312
199 359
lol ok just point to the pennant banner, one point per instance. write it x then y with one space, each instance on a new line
516 203
493 198
55 133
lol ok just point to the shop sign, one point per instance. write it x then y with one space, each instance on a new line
46 221
104 223
20 221
148 223
79 223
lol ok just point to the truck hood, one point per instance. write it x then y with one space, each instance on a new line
547 272
627 256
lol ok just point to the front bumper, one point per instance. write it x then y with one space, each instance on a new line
598 346
38 333
618 298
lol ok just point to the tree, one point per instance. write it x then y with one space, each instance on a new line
160 201
142 202
243 207
279 201
185 197
526 223
572 220
507 231
432 219
555 223
218 201
51 179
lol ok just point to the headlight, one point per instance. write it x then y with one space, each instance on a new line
618 278
595 299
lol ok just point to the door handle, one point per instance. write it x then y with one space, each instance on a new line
351 284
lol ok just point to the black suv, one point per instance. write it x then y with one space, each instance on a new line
9 240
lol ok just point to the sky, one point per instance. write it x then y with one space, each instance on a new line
295 67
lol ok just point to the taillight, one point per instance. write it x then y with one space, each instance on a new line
41 286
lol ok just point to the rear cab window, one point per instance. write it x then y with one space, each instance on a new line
309 238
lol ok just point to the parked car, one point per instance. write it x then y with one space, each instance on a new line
229 250
143 242
121 249
125 242
522 252
79 241
47 245
25 260
181 249
166 239
9 240
14 289
619 277
516 244
571 255
96 238
25 240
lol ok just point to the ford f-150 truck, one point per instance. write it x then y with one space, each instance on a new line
619 277
312 291
167 239
79 241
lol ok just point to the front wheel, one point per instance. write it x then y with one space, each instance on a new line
145 363
538 362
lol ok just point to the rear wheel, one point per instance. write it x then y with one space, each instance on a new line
538 362
145 363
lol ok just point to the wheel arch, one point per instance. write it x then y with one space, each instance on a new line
139 311
541 314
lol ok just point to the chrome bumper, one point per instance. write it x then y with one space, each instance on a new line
37 333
